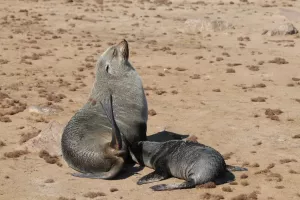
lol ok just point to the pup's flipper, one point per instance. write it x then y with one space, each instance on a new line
153 177
235 168
184 185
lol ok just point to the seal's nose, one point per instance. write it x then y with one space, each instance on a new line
124 49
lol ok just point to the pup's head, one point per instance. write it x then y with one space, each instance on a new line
146 151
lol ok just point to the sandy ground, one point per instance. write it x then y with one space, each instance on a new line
215 84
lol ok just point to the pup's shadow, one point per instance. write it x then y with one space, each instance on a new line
227 177
131 168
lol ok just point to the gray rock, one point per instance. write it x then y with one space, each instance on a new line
283 29
205 25
49 140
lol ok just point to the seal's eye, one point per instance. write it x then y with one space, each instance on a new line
107 67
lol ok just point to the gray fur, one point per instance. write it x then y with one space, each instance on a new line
86 138
191 161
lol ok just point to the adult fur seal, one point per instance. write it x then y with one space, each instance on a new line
86 137
192 161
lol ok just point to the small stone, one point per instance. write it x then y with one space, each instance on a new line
152 112
230 70
195 76
49 180
258 99
279 61
181 69
114 189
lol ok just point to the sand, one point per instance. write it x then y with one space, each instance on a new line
209 68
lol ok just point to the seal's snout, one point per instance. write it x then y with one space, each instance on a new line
124 49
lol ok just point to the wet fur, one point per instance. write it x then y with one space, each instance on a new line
191 161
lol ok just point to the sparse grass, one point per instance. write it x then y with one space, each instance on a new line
251 196
227 189
244 183
233 183
208 196
50 180
296 136
2 144
16 153
49 159
274 177
264 171
227 156
65 198
152 112
27 136
271 165
291 171
230 70
258 99
93 195
244 176
254 165
258 143
114 189
240 197
207 185
287 160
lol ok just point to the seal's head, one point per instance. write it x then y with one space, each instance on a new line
114 60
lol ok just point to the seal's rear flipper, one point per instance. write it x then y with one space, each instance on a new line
184 185
235 168
91 176
116 141
103 175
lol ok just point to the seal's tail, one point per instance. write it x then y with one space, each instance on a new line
235 168
184 185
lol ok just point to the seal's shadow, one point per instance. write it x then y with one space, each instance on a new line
164 136
132 169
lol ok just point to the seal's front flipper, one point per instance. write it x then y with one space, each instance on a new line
184 185
153 177
116 141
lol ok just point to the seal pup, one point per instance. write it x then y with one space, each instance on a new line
194 162
85 138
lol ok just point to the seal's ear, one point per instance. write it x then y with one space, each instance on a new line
116 141
123 50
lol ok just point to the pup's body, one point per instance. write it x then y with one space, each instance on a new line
191 161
